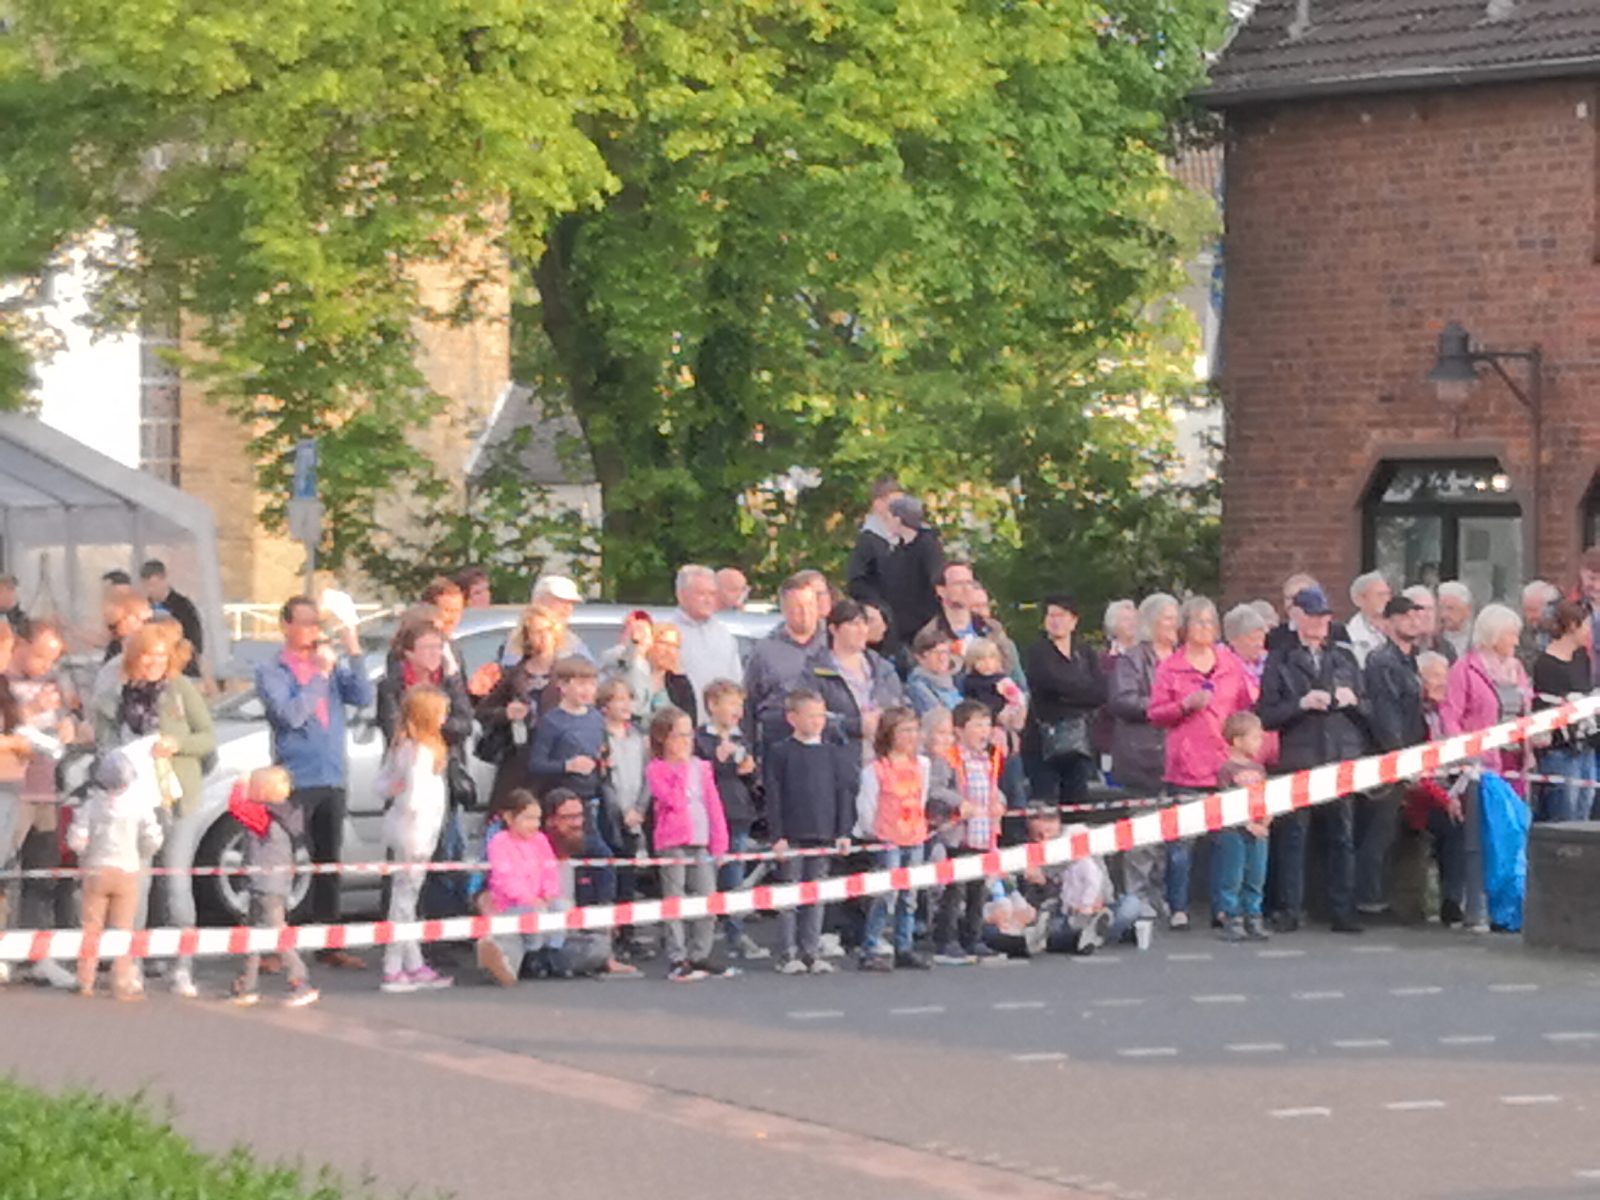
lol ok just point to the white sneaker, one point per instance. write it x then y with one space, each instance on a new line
183 985
829 946
822 966
53 974
790 966
5 973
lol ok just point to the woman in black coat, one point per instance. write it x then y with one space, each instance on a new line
1066 688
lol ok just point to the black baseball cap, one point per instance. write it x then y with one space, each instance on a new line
1399 606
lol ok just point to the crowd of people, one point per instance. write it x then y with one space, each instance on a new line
888 720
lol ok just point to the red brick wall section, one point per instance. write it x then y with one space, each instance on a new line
1355 229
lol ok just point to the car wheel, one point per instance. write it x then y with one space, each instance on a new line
225 899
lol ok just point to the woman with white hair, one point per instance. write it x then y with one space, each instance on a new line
1244 629
1139 748
1121 628
1487 686
1195 690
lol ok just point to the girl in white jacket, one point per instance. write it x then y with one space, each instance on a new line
113 833
413 780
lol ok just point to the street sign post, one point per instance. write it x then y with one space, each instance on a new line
304 509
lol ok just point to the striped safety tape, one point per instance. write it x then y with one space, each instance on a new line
1191 818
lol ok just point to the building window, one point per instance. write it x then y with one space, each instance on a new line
1591 514
158 403
1426 521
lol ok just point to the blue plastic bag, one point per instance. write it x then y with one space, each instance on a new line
1504 820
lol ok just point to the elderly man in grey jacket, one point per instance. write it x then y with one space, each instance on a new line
709 651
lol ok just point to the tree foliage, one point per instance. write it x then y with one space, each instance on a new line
765 242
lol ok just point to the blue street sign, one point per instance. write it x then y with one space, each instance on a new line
305 470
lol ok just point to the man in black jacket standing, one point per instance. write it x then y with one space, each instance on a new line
1395 717
1311 693
895 565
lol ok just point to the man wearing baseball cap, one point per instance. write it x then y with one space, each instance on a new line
559 593
1311 694
1395 718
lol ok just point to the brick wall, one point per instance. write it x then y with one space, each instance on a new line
1355 229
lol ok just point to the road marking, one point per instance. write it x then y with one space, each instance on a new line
1040 1057
816 1014
1280 953
916 1010
1256 1047
1361 1043
1364 949
1017 1005
1319 995
1189 958
1576 1035
1467 1039
1118 1002
1522 1101
1415 991
1149 1052
1413 1105
1513 987
1221 998
1587 1173
1288 1114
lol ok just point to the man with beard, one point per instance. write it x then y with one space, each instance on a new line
583 952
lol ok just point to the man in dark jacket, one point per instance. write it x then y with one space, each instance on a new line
1311 694
1395 717
781 662
895 564
1281 637
866 574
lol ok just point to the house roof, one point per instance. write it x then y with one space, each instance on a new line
556 453
1289 49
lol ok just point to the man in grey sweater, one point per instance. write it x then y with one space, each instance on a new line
780 662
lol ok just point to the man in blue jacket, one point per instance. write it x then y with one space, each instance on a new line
305 690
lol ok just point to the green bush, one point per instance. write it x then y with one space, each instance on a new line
85 1147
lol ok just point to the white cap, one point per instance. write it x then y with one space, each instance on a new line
557 587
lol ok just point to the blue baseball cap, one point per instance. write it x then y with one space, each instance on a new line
1312 602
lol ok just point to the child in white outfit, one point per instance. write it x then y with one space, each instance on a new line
113 834
413 779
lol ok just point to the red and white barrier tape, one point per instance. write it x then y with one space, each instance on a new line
1191 818
1530 777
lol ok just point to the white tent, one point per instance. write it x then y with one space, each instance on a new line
68 514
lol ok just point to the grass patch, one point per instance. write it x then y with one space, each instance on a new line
80 1146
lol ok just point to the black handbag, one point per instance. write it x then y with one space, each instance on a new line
493 744
1066 738
463 788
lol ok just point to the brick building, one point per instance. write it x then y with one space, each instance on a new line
1393 166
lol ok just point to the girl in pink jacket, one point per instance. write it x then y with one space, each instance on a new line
691 829
1197 687
524 877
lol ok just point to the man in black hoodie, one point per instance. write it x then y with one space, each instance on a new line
895 564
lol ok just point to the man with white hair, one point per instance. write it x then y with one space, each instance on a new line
1539 599
1428 641
733 589
1368 629
1455 616
709 651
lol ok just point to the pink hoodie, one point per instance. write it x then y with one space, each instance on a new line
669 801
1195 748
523 872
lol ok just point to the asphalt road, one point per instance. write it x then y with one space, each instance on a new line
1406 1063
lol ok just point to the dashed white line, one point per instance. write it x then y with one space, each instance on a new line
1287 1114
1189 957
1280 953
1361 1043
917 1010
1319 995
1513 987
1524 1101
1467 1039
1587 1173
1371 949
1413 1105
1256 1047
1573 1035
1415 991
1149 1052
1118 1002
816 1014
1017 1005
1042 1056
1221 998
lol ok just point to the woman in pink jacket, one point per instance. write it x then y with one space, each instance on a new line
1487 686
690 827
1196 689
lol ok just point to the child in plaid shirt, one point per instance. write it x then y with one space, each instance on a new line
978 764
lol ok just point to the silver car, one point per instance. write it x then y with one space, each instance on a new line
211 838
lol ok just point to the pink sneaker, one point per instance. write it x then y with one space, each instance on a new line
426 977
397 982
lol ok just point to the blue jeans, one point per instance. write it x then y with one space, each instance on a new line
905 903
1568 801
1179 860
1238 872
729 876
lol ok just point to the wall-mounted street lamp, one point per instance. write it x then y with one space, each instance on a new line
1456 370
